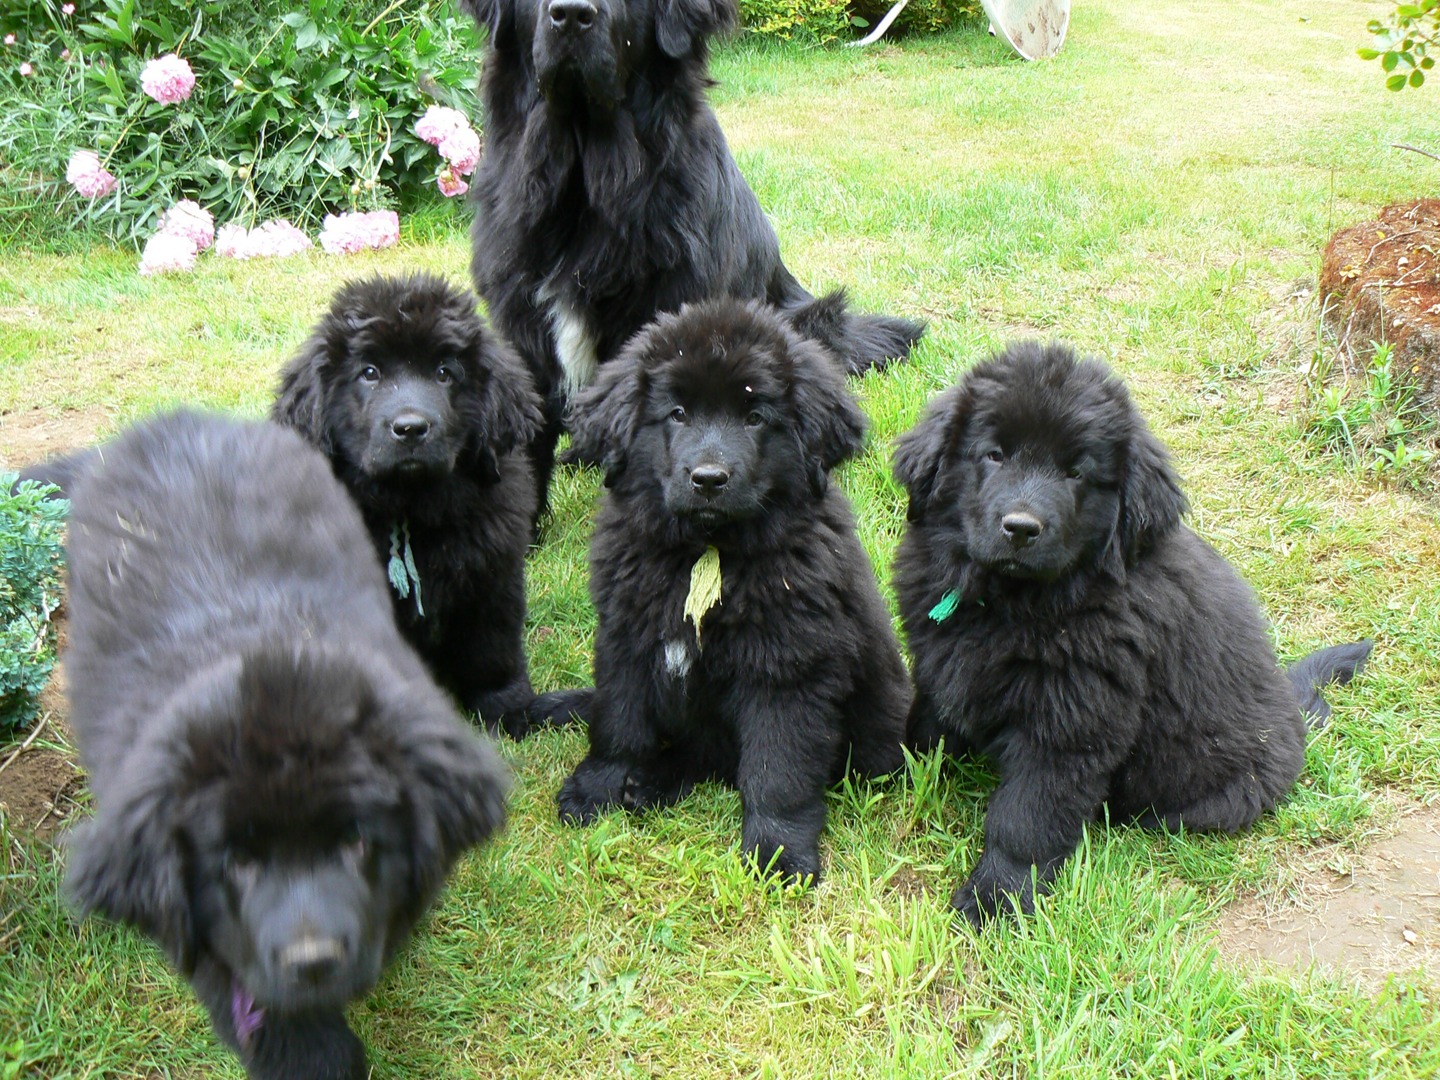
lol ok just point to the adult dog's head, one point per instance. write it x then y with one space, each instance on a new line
719 414
289 820
1038 466
401 382
586 52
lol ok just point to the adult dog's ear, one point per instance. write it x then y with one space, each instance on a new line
1151 502
456 786
682 27
510 412
921 451
830 424
604 417
491 14
301 401
127 863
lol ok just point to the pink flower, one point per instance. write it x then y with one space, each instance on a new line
451 184
10 40
438 122
165 252
67 9
64 54
168 79
88 175
26 69
274 240
462 149
346 234
188 219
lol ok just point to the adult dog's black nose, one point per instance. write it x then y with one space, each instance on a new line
1021 529
312 960
707 480
571 16
410 428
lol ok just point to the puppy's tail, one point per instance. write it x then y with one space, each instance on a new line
1337 664
861 342
61 471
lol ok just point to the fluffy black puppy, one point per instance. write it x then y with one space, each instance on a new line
606 192
718 428
423 414
280 787
1064 622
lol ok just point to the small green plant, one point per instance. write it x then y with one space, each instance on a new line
30 529
1402 43
1382 428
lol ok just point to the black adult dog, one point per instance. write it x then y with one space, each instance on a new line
423 414
1063 621
606 192
280 787
718 428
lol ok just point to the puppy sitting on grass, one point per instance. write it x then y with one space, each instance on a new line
741 634
1066 624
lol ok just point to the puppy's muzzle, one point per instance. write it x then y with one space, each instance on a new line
1021 529
708 481
312 960
410 428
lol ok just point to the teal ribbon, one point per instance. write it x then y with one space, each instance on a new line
946 607
401 567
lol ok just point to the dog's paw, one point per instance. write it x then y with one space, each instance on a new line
793 862
987 894
593 787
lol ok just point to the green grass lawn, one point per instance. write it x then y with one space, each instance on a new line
1158 195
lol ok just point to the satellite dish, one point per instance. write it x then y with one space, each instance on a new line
1034 28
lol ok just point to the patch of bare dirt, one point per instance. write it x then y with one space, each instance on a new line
1379 916
38 790
31 435
1380 281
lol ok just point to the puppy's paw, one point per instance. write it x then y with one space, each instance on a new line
593 787
778 853
988 893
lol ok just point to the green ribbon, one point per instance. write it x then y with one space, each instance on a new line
946 607
401 567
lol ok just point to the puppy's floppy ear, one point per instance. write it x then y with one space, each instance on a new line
683 26
510 412
456 785
1151 502
604 417
302 398
128 863
921 451
830 424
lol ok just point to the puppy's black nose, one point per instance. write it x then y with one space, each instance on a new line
707 480
572 16
410 428
1021 529
312 960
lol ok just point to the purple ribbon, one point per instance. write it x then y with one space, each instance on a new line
244 1014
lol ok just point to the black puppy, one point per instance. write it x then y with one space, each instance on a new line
280 787
606 192
423 414
1064 622
741 634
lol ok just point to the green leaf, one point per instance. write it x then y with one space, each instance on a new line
1395 82
1390 61
1367 54
1417 77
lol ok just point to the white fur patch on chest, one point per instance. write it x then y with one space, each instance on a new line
678 658
575 344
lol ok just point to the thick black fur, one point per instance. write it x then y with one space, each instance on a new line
280 787
718 427
1099 651
606 192
424 414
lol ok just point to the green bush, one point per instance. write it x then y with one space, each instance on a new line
30 530
298 110
1402 44
825 21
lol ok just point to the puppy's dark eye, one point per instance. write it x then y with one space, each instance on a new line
444 375
755 419
369 374
996 455
679 416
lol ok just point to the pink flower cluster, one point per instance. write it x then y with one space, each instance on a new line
449 131
189 220
168 79
186 229
345 234
90 178
271 240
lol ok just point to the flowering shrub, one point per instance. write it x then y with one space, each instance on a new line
252 111
30 556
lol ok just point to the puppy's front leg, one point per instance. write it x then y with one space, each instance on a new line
789 744
1034 820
